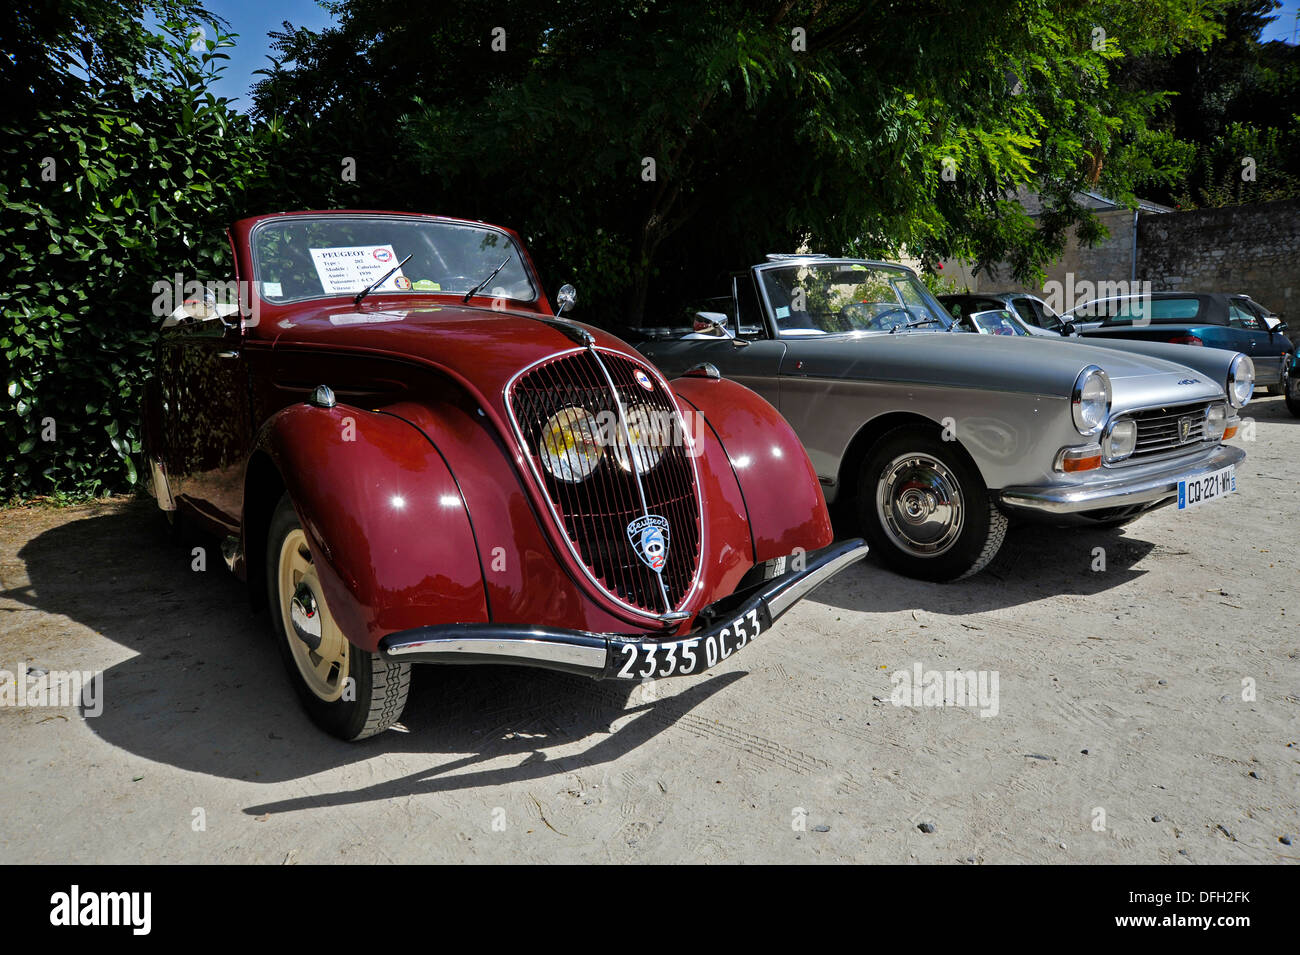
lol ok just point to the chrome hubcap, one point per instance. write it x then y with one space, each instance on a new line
919 503
304 616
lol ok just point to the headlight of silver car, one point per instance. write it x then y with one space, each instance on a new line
569 444
1119 440
1241 381
1216 422
1090 401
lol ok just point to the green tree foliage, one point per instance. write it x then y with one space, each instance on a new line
846 126
121 168
1233 120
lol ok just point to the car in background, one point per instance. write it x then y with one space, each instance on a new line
1209 319
936 440
1035 314
412 458
994 321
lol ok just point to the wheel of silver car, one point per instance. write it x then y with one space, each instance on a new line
347 691
919 504
924 508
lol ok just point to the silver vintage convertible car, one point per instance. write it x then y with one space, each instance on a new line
938 439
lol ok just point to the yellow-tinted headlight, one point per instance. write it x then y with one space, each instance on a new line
569 444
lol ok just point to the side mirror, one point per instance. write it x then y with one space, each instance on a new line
1274 323
565 299
1068 328
715 322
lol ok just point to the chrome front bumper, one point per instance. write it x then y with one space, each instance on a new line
721 629
1113 491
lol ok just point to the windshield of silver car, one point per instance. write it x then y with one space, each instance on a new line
305 257
831 298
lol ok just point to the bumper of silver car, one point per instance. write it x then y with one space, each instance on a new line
1114 491
720 630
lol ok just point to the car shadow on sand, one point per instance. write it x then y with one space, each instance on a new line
205 690
1035 562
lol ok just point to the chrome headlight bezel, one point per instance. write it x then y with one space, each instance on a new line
1113 451
1240 381
1089 416
580 457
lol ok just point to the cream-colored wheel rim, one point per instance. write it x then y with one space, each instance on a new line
325 669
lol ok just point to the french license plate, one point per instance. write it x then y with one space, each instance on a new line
693 654
1196 491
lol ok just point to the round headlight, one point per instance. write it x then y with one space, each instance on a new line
1120 440
1216 422
569 444
649 438
1090 400
1241 381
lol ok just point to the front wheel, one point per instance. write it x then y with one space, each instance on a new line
924 509
348 692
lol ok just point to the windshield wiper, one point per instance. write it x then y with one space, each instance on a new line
387 275
495 273
924 321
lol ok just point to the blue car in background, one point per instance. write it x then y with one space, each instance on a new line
1211 319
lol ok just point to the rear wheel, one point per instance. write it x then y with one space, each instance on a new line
1293 395
1281 387
924 509
348 692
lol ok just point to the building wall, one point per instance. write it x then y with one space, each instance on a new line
1253 249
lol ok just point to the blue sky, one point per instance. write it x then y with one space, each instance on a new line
254 19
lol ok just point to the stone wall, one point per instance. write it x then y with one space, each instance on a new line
1253 249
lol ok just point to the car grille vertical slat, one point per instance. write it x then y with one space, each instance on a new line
595 512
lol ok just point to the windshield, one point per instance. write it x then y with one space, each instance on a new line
303 257
830 298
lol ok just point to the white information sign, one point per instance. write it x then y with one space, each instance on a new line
346 270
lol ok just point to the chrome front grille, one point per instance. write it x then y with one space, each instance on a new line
1168 431
595 512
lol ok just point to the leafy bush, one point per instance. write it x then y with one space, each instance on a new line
118 179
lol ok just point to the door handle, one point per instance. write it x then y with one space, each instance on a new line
227 354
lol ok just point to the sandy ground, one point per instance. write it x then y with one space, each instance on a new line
1121 735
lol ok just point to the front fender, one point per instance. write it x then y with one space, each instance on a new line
783 497
386 524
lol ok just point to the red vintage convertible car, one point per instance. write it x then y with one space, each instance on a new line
412 459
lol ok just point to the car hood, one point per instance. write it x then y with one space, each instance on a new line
1031 364
483 348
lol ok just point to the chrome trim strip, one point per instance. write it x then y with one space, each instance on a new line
536 646
636 472
162 491
787 596
1123 492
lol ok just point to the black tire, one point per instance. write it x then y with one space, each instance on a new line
379 688
1293 395
956 529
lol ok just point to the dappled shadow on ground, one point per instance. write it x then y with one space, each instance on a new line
206 692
